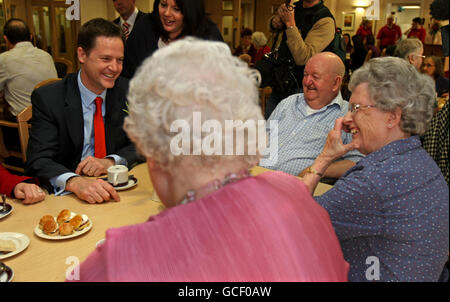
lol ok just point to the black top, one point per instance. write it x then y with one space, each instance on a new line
143 41
305 18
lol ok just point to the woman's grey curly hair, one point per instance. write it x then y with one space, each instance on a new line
393 82
190 76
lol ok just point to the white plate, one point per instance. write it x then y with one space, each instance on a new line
2 215
41 234
8 275
20 240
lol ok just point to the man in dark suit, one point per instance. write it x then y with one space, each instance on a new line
129 14
77 122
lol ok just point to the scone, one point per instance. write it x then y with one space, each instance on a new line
65 229
79 222
50 227
63 216
44 219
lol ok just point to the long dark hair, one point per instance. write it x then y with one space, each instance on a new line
195 20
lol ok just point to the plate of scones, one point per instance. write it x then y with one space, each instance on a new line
64 226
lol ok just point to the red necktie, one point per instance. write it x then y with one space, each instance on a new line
126 29
99 130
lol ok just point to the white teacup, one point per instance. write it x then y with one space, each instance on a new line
118 175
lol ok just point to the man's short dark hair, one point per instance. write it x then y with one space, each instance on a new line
94 28
16 30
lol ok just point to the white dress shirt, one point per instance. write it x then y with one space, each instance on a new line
21 68
131 20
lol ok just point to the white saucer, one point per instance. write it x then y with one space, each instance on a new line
131 183
7 275
20 240
4 214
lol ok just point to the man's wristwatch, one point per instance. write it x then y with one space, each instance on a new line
312 171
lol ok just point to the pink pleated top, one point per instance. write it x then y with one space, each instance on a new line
262 228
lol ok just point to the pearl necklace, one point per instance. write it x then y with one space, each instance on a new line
215 185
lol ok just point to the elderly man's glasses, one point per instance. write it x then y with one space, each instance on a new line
420 56
353 108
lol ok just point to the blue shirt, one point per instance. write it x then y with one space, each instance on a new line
89 107
392 205
301 136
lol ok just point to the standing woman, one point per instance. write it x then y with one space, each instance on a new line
417 30
365 28
170 20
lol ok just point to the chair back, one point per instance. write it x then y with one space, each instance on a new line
22 120
63 67
46 82
22 126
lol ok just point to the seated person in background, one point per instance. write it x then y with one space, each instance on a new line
22 66
358 56
77 122
261 228
348 44
259 40
410 50
433 67
436 140
246 46
390 211
20 187
305 119
372 50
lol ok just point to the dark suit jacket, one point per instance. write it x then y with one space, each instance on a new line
139 14
57 133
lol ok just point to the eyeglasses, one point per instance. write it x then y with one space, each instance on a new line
428 65
353 108
414 54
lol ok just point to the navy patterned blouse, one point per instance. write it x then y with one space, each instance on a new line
390 213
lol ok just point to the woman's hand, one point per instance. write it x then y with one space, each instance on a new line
30 193
286 15
334 147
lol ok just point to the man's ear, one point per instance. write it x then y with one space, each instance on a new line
337 83
411 59
82 55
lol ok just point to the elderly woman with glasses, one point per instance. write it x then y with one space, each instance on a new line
390 211
221 224
433 67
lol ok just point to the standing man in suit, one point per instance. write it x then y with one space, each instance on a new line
77 122
129 14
